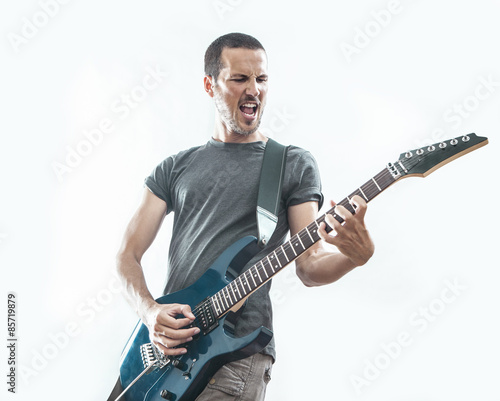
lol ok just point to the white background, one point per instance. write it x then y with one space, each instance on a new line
355 112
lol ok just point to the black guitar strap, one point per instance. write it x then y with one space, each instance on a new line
271 177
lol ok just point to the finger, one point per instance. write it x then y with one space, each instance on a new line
186 311
333 223
343 212
329 238
181 309
182 335
360 206
172 342
168 316
168 350
165 322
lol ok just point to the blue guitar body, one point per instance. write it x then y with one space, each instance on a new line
206 352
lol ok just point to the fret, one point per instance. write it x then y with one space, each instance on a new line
375 182
313 232
263 263
289 255
237 289
277 260
265 271
224 299
348 206
283 261
217 308
219 294
357 192
284 253
260 278
370 190
245 282
254 283
305 240
231 290
362 193
231 303
270 263
308 233
301 244
218 301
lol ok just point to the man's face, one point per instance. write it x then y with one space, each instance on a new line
241 89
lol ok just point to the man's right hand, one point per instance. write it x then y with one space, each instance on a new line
166 326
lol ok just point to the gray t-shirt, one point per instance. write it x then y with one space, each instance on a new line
212 190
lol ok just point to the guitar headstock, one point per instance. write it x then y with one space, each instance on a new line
421 162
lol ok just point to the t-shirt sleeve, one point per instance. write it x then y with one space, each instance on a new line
158 182
305 182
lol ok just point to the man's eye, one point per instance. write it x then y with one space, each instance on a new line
239 79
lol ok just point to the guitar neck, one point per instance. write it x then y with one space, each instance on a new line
261 272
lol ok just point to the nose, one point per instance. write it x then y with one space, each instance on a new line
253 88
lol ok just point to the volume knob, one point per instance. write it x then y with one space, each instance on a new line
167 395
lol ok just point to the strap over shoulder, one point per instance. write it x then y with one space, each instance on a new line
271 177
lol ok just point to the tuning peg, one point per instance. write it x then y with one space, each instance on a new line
466 138
442 145
408 154
453 142
420 152
431 148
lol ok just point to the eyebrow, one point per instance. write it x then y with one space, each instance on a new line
246 76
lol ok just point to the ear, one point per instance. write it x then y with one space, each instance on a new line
208 84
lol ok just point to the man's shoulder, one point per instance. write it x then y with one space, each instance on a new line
296 153
183 155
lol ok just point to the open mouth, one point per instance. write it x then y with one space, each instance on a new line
249 109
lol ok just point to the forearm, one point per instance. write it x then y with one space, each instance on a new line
321 266
136 291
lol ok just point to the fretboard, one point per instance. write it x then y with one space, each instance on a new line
261 272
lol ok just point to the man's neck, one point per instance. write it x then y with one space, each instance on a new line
222 134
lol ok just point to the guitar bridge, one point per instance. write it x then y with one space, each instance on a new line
152 357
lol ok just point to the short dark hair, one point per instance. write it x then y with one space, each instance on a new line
213 63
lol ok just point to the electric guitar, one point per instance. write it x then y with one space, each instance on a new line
147 375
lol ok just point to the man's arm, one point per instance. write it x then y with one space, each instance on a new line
165 329
319 265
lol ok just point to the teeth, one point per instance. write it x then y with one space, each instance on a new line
249 105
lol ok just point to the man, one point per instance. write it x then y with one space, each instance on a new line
212 190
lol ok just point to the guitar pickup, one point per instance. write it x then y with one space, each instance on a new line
206 316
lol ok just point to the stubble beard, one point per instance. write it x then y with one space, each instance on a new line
228 120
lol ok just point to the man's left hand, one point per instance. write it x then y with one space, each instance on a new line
351 237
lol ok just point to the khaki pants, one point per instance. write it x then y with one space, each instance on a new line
243 380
